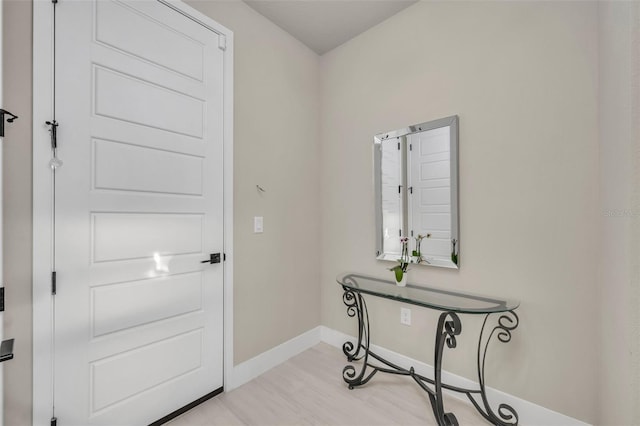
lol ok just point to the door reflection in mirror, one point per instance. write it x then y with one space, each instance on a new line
416 179
391 185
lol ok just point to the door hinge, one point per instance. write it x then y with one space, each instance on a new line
399 189
222 42
411 190
410 147
54 133
398 146
224 257
6 350
10 119
1 299
54 420
54 284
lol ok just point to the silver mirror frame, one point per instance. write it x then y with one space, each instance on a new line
452 123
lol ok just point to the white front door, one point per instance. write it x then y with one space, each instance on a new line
138 206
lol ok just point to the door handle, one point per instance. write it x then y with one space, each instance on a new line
213 258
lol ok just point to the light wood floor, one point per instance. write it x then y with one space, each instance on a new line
309 390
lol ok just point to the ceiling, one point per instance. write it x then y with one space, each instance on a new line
325 24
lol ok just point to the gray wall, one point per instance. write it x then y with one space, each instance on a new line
16 75
619 372
523 77
276 146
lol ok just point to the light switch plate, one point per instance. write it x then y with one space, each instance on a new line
258 222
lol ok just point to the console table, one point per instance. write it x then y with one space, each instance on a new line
451 304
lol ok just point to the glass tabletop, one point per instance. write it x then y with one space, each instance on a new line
429 297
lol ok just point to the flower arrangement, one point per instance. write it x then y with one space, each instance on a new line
417 254
403 263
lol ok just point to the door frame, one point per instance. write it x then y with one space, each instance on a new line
1 210
43 200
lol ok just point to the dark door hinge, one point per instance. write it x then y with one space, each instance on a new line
6 350
1 299
54 284
53 124
10 119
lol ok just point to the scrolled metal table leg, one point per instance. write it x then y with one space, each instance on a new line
356 306
506 415
449 326
351 300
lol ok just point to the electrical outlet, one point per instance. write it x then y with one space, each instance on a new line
405 316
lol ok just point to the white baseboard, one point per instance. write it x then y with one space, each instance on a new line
529 413
250 369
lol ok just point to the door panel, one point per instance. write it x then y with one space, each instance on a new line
138 318
130 304
160 44
137 101
155 364
146 234
129 167
430 203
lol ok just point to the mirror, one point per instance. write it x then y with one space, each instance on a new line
416 185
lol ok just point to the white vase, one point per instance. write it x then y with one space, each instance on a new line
403 281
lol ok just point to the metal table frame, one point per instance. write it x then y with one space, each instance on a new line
449 326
